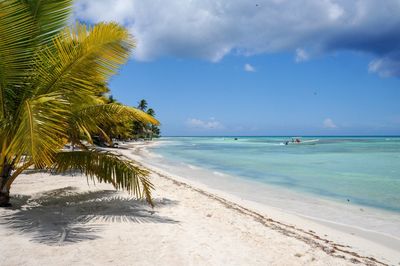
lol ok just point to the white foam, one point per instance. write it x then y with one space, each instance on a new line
192 166
218 173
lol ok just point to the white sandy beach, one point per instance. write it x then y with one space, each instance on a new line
63 220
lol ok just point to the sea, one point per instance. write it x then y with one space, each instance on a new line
357 174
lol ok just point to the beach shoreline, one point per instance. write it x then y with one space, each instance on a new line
360 239
64 220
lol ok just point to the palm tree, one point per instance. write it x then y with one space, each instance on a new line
139 128
154 131
142 105
51 79
144 129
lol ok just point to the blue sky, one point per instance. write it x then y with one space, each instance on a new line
335 74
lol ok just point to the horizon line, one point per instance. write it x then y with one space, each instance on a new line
204 136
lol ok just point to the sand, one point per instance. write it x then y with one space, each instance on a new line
64 220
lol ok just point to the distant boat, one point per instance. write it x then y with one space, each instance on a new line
298 141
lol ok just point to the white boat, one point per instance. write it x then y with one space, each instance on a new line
298 141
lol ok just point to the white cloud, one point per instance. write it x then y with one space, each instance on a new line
210 30
249 68
121 11
385 67
204 124
328 123
301 55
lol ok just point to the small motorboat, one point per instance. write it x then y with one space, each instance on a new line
298 141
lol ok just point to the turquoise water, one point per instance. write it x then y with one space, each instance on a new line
358 170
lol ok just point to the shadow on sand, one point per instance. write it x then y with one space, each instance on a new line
66 216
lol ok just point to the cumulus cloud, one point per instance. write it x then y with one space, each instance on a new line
328 123
249 68
204 124
212 29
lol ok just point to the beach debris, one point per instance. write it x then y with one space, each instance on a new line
209 215
354 260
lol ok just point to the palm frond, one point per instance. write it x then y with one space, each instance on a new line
50 16
42 128
112 113
108 168
81 58
16 31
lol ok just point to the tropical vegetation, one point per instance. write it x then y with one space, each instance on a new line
145 130
53 79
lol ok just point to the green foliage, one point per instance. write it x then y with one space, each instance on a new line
144 130
50 15
52 82
142 105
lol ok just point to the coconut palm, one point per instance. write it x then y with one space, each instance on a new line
154 131
51 81
139 129
142 105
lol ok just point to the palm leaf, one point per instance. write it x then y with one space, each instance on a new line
50 16
42 128
107 168
112 113
16 31
81 58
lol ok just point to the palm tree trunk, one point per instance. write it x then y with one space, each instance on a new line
4 191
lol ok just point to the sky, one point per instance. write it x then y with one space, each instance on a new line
266 67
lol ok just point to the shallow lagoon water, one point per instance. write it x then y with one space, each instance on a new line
357 170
